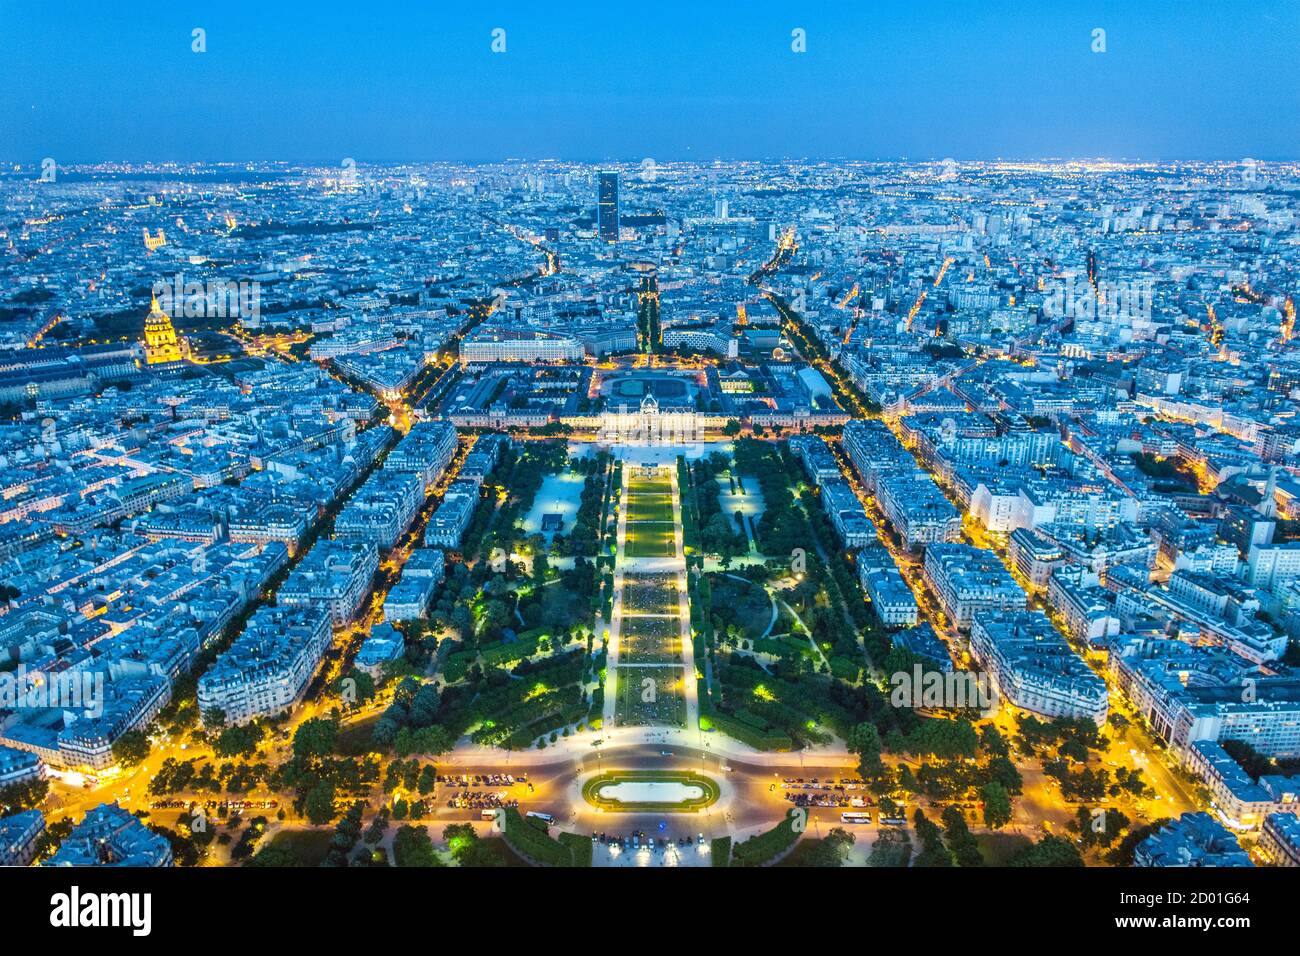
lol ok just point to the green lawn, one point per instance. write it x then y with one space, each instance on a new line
498 849
651 539
650 486
650 508
999 848
668 709
308 847
354 738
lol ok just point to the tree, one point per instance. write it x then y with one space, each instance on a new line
361 688
1100 827
131 748
960 841
467 848
23 796
1002 770
944 738
831 850
893 848
236 742
273 856
412 847
1122 854
424 706
864 740
315 738
994 744
463 621
540 566
426 740
933 852
997 805
385 732
495 616
1049 851
428 780
319 804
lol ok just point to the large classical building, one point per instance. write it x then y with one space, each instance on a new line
160 341
648 424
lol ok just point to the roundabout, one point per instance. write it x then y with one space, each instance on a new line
650 791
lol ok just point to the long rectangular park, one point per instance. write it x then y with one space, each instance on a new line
649 634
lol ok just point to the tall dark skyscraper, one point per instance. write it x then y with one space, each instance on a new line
607 207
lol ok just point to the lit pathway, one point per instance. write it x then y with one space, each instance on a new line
690 687
615 624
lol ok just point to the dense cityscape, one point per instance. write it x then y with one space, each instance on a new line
650 514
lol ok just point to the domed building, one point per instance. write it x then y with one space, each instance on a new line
161 343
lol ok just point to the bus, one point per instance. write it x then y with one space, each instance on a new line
544 817
855 816
894 821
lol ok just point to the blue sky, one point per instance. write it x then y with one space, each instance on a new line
379 80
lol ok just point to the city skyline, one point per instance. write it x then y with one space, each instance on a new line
880 450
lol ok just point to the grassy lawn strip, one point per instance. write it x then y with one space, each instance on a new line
651 539
650 508
308 847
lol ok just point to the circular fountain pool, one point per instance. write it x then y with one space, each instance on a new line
650 791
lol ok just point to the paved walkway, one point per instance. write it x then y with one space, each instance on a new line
612 647
580 745
691 688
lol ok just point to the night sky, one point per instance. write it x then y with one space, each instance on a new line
389 81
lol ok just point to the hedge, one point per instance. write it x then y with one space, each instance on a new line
766 847
579 846
504 653
530 842
557 721
759 740
720 851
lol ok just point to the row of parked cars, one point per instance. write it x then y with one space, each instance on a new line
230 805
638 840
823 799
482 779
799 783
479 800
